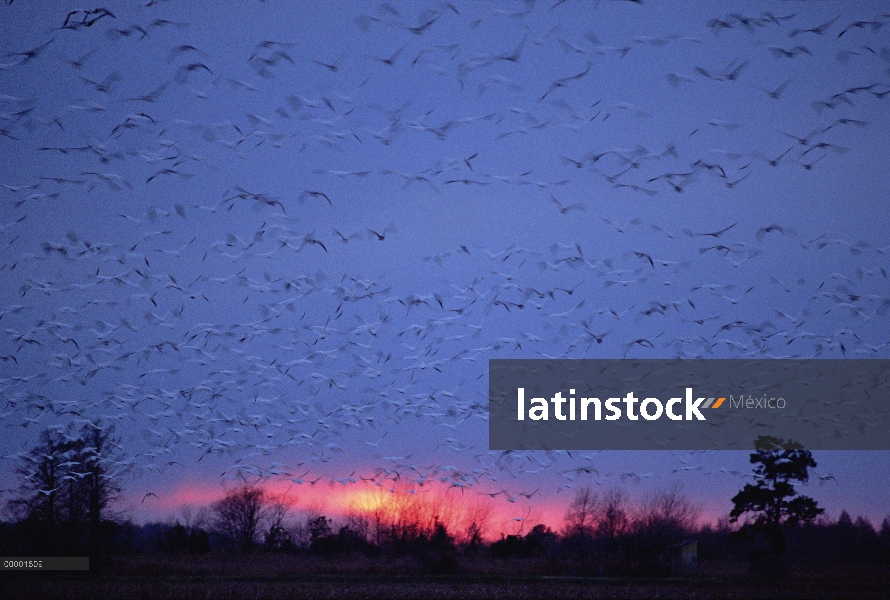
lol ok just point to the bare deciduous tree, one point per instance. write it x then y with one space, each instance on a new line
582 514
240 515
277 535
613 518
69 481
668 513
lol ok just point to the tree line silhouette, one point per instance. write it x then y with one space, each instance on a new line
70 480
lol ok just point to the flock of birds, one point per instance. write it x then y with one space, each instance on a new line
289 261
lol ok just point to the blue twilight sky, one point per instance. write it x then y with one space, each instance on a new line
281 240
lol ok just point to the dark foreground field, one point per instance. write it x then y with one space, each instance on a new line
306 577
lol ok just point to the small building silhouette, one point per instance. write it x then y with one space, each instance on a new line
682 558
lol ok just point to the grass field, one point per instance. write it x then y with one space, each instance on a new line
306 577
